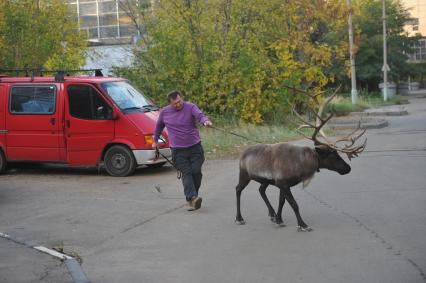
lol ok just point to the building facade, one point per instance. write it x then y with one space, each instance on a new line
417 26
104 21
110 29
417 10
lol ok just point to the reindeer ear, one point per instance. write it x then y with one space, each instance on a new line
321 148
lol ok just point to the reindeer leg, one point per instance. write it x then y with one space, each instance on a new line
302 227
278 217
271 211
244 180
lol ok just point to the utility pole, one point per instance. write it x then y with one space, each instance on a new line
385 56
138 18
354 92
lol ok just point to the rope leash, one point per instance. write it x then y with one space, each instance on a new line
158 154
232 133
179 173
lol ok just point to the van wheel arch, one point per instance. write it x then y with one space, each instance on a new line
119 160
3 161
108 146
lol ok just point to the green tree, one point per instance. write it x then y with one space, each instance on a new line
238 56
369 58
39 33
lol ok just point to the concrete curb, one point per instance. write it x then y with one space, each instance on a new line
71 263
75 270
414 93
367 118
369 123
380 113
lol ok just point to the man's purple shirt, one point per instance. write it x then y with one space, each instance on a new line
181 125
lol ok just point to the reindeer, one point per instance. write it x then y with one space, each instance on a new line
285 165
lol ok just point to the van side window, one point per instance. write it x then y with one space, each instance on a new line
32 100
86 103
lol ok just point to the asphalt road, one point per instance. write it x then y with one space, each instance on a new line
369 226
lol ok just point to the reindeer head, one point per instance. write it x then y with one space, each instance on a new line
328 152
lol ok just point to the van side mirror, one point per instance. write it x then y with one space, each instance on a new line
106 113
100 112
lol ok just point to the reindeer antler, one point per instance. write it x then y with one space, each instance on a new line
320 122
349 148
351 138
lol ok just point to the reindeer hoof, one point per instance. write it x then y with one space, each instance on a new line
304 229
279 225
240 222
273 220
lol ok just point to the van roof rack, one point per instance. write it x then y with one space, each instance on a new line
59 74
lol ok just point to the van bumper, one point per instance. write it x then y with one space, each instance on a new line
147 156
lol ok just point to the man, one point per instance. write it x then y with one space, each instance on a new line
180 118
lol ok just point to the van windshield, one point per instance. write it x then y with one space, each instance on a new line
127 98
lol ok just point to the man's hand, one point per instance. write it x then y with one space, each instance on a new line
157 151
208 123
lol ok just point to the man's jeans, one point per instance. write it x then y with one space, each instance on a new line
189 161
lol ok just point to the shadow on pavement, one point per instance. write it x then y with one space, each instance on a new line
31 168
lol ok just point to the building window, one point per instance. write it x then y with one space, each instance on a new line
419 52
413 22
104 19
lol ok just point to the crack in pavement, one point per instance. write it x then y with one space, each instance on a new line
395 150
131 227
43 276
151 219
378 191
386 243
392 155
400 132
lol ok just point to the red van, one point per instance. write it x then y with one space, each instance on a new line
79 121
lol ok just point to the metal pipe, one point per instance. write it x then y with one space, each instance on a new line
354 92
385 56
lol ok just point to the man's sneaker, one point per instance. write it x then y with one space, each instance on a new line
196 202
190 206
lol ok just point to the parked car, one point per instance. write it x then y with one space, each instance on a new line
79 121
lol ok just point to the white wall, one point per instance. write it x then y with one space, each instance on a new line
107 56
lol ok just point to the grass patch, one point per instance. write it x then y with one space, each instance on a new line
343 106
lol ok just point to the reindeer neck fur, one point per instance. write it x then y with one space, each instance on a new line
307 181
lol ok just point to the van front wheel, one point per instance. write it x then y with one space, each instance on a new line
119 161
3 162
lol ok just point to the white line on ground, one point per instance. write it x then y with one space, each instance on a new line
73 266
52 252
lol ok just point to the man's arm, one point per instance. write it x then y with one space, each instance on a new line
200 117
158 129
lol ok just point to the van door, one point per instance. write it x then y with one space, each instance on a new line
89 126
32 128
3 108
